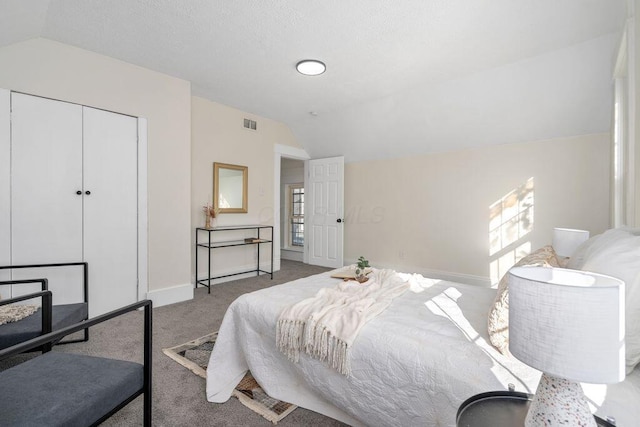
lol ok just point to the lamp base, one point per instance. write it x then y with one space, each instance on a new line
559 402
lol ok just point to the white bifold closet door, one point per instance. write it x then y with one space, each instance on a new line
74 198
111 209
46 174
5 189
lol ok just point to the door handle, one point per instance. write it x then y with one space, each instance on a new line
78 192
339 220
87 192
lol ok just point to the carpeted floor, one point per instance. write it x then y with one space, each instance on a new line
178 395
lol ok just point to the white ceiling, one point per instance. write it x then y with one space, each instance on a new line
403 77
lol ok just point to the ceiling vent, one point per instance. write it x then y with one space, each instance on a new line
250 124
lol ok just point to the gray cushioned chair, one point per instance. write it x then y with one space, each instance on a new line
64 389
61 315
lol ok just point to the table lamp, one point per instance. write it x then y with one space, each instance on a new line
569 324
567 240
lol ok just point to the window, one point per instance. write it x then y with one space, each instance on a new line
296 215
618 154
623 164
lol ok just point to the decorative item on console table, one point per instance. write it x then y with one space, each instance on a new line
210 214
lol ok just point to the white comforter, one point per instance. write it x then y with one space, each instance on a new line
414 364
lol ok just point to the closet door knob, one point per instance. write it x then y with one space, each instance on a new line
78 192
87 192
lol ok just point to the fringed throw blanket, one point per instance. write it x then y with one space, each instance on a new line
326 325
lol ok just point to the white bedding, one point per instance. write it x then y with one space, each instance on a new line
414 364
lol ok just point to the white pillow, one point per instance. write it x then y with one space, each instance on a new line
617 253
595 245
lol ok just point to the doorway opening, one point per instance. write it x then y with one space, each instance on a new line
292 209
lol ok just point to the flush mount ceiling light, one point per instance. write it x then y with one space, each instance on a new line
311 67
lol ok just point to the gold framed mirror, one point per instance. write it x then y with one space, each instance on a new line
230 183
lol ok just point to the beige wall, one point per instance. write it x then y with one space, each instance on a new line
427 213
46 68
218 135
431 213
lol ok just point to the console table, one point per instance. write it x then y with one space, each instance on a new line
209 243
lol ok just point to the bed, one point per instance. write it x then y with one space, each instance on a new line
413 364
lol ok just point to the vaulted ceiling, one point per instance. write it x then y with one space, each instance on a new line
403 77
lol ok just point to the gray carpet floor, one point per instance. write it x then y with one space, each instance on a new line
179 397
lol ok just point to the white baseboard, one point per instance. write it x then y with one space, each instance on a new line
292 255
171 295
436 274
469 279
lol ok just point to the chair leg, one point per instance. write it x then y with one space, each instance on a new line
147 409
84 338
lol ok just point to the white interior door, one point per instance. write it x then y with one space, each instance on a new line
110 209
5 189
325 232
46 176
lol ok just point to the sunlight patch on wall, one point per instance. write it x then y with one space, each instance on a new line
510 220
499 267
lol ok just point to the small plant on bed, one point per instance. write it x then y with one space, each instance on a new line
361 274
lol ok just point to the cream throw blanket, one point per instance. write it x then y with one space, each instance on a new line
326 325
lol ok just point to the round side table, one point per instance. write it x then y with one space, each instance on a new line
500 409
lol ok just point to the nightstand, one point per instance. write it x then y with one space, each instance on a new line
500 409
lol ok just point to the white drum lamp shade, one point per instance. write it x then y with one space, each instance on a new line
567 240
569 324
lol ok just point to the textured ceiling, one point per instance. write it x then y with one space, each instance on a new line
403 77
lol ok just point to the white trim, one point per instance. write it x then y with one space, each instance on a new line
281 151
632 196
305 255
620 142
143 231
625 191
291 152
277 172
171 295
468 279
620 69
618 208
292 255
5 189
